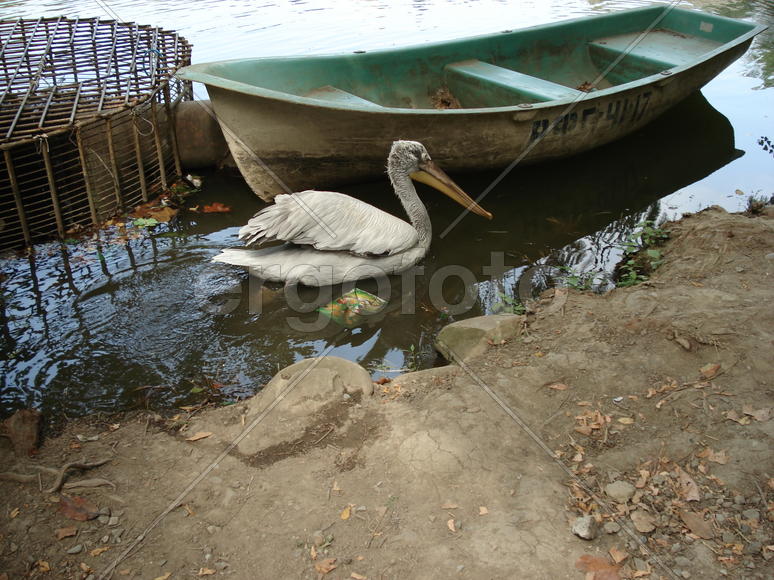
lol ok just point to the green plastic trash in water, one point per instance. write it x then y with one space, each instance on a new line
352 308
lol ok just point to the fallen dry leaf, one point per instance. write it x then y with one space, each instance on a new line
164 576
43 566
77 508
558 387
758 415
97 551
617 555
451 526
216 207
643 480
482 510
734 416
720 457
14 513
584 403
62 533
697 524
709 371
686 486
325 566
346 512
199 435
313 552
206 572
626 420
86 568
449 506
643 521
597 568
357 576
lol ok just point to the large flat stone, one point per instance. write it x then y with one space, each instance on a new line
466 339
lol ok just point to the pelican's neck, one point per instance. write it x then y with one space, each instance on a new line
415 209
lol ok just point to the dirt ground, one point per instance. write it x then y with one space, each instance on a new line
476 471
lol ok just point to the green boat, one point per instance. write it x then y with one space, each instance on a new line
484 102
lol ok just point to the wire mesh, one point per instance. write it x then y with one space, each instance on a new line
86 121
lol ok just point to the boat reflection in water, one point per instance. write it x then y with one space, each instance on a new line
82 329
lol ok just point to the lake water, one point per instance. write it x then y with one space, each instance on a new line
105 326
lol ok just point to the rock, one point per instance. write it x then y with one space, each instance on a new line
751 515
739 499
620 491
728 537
685 574
318 538
641 565
465 339
315 384
611 528
682 562
585 527
103 519
643 521
221 565
770 256
753 548
76 549
113 521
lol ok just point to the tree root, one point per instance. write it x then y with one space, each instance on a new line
72 465
17 477
61 473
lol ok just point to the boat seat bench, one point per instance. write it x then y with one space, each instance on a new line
630 57
471 76
338 96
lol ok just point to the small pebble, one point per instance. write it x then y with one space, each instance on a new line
752 515
611 528
676 548
584 527
683 562
620 491
105 539
76 549
739 499
221 565
162 562
460 568
720 518
753 548
103 519
728 537
318 538
113 521
685 574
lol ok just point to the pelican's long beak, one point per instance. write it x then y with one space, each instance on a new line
432 175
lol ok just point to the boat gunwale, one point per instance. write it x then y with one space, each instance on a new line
192 73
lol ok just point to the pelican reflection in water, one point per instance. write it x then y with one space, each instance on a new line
332 238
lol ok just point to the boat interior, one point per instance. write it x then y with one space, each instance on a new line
535 65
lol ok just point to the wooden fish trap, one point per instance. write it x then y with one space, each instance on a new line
86 122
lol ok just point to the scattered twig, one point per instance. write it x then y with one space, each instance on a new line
96 482
72 465
324 436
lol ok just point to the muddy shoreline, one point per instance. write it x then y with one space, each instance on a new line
639 418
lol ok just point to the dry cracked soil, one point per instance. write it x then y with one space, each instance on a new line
639 418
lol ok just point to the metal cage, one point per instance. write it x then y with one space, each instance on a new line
86 122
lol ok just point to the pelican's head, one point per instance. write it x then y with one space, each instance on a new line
412 159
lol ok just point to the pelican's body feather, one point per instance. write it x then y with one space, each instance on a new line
330 221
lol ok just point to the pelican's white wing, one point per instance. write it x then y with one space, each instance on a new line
328 220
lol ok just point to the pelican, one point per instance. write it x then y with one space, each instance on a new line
332 238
